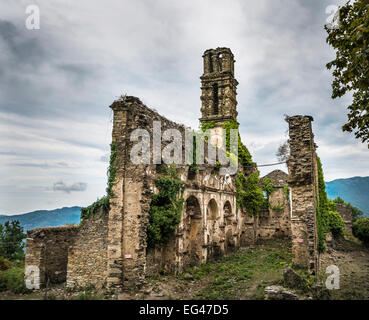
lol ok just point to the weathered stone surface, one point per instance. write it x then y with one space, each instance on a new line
293 280
279 293
110 248
303 182
87 256
47 249
346 214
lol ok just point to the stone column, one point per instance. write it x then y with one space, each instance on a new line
303 182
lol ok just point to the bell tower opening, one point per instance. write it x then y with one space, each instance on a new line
215 98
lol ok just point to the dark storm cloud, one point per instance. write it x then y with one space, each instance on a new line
21 48
61 186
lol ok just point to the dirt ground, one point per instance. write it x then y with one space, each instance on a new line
352 259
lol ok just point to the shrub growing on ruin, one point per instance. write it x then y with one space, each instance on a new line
165 209
328 220
249 195
360 229
335 224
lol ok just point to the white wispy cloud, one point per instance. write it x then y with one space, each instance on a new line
57 84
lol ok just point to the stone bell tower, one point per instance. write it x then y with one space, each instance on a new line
218 87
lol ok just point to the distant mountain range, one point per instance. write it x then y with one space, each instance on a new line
46 218
354 190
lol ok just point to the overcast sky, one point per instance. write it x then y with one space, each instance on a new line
56 85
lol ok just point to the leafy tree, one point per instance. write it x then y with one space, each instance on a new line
350 39
11 240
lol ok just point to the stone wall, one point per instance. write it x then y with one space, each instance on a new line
303 181
132 189
346 214
210 225
275 222
87 256
47 249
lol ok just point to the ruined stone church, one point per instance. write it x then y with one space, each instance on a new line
109 248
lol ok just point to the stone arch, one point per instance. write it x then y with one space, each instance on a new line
212 212
193 207
227 211
194 243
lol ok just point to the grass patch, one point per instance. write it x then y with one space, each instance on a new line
244 273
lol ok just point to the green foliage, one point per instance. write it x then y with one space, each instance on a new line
166 208
335 223
360 229
279 207
244 156
111 169
351 66
249 195
206 125
11 241
5 264
89 295
322 209
104 201
13 280
356 212
327 219
286 191
91 209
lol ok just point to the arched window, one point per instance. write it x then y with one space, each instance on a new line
212 212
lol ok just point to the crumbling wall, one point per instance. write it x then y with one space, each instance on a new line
275 222
214 230
346 214
132 189
47 250
303 182
87 256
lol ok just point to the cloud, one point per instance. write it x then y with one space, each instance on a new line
57 83
105 157
61 186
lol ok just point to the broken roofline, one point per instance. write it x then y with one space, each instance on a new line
172 152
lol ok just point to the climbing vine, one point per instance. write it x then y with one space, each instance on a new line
104 201
166 208
249 195
327 220
244 156
111 170
206 125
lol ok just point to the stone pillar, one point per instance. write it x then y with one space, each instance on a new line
303 182
116 212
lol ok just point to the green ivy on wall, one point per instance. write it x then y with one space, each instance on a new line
104 201
327 220
249 195
166 208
